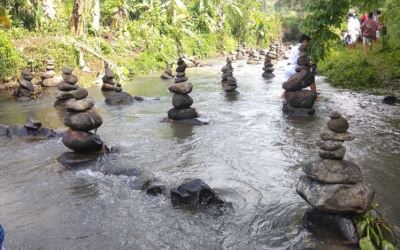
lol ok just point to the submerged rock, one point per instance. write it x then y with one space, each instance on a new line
119 98
182 114
194 194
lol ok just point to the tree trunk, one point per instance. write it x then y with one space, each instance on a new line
96 15
77 18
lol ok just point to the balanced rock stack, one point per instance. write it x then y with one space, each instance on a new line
112 90
109 82
26 89
333 185
254 57
167 74
268 67
272 52
48 79
228 81
297 99
241 52
81 118
181 100
67 87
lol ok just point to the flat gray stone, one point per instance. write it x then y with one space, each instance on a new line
337 154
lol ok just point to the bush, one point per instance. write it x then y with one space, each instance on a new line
200 46
63 54
291 28
10 61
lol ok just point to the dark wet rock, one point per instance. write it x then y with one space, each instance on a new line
342 225
84 121
80 93
181 68
330 135
166 76
338 125
82 142
390 100
3 130
79 105
76 160
181 79
155 189
337 154
31 133
183 88
181 101
198 121
182 114
301 99
267 75
230 87
335 198
288 109
138 98
333 171
32 124
63 86
109 87
26 84
300 80
70 79
65 95
108 73
67 70
194 194
119 98
330 145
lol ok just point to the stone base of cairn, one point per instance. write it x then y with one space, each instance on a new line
241 52
228 81
298 100
254 57
181 99
112 90
26 89
332 185
67 88
47 77
167 74
268 68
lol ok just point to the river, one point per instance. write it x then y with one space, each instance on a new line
250 154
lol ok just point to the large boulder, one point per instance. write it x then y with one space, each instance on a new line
336 198
194 194
301 99
50 82
182 114
82 142
181 101
182 88
333 171
119 98
84 121
301 80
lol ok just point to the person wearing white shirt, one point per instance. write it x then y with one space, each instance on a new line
353 30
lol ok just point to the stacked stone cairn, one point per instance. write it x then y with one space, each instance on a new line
297 99
254 57
272 53
167 74
228 81
268 68
26 89
112 90
109 81
331 185
47 77
81 118
241 52
181 100
67 87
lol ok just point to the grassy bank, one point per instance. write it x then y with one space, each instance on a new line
378 72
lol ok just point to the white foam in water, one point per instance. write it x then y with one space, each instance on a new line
90 173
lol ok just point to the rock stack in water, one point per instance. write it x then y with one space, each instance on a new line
109 82
82 118
181 100
254 57
268 67
333 185
241 52
47 77
228 81
112 90
26 89
167 74
297 99
67 87
272 52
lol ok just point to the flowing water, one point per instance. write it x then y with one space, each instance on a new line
250 154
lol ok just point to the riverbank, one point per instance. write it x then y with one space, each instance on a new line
375 73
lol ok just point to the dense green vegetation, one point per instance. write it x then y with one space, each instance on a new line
137 35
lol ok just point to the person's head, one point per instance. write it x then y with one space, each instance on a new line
371 15
350 15
378 12
304 40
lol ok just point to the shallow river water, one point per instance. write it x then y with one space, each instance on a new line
250 154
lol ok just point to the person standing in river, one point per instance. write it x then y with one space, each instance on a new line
304 42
